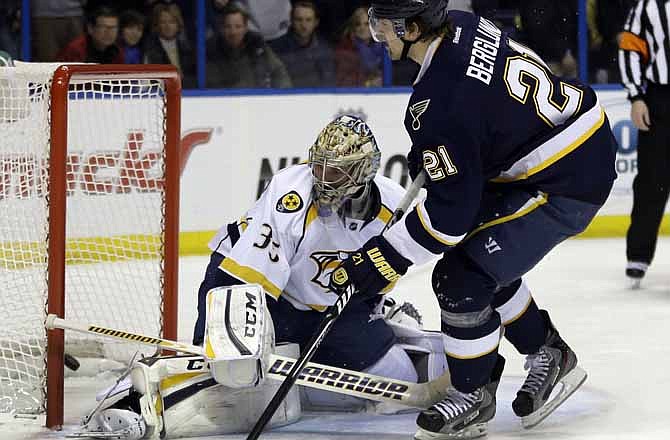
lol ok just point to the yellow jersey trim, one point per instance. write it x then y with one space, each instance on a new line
250 275
385 214
430 231
544 198
558 156
473 356
312 214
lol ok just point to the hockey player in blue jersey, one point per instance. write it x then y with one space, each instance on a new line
517 161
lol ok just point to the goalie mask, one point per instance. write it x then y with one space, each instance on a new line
344 158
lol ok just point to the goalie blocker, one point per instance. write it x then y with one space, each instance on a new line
177 396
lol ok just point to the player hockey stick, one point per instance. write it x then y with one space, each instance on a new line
331 315
313 375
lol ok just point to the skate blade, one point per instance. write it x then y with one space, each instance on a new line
123 434
473 431
569 384
634 283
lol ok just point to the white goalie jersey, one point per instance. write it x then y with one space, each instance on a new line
286 247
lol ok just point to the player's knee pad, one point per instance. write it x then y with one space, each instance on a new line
460 286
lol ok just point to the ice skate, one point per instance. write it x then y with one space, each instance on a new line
635 271
461 415
553 367
113 423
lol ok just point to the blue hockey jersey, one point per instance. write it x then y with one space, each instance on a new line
487 113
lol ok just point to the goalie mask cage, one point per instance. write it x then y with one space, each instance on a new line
89 195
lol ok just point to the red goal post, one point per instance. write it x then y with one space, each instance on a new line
86 104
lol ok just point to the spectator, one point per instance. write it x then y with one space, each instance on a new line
358 59
98 44
461 5
271 18
550 27
215 7
504 13
167 43
54 24
239 58
605 20
308 58
10 31
132 33
334 14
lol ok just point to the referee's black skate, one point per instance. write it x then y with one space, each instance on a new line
552 368
461 415
635 271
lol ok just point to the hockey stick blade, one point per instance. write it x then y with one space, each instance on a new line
331 315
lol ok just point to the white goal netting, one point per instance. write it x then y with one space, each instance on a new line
115 210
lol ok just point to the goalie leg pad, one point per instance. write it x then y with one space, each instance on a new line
395 364
424 347
183 400
239 335
197 406
146 377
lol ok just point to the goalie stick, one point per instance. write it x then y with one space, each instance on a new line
313 375
331 315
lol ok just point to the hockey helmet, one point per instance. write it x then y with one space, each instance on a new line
343 159
432 12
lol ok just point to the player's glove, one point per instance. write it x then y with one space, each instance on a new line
370 269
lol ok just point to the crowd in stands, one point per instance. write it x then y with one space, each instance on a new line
289 43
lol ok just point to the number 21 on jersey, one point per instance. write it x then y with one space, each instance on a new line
438 164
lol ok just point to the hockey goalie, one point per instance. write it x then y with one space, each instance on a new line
262 298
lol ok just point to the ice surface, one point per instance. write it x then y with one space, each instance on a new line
619 335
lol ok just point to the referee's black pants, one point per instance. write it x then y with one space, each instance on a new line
652 183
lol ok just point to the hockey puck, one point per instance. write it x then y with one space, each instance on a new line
71 362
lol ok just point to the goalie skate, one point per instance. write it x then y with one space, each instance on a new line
113 423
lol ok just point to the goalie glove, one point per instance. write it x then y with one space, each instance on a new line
372 269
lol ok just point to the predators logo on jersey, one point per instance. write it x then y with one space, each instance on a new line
326 262
290 202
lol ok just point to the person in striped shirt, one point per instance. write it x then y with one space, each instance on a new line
644 49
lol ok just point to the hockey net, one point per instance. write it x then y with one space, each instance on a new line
89 169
